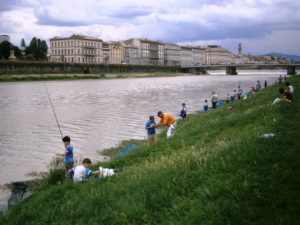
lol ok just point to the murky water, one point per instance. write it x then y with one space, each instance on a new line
96 114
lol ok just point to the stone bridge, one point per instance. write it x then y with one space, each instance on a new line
231 69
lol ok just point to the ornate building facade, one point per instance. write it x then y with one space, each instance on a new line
149 52
171 54
76 49
215 54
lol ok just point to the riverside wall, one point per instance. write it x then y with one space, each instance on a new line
35 67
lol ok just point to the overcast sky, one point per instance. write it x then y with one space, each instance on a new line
262 26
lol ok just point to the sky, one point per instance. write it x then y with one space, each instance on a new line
261 26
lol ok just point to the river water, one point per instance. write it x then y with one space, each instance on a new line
96 114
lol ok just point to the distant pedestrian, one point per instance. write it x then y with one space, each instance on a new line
182 113
258 86
239 93
280 79
252 90
266 84
168 120
233 96
214 100
227 98
205 107
150 127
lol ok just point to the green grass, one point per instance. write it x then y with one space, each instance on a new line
216 170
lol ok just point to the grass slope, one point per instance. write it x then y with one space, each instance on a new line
217 170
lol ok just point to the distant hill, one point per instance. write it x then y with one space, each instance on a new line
295 58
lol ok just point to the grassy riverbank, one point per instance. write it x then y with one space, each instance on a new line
216 170
36 77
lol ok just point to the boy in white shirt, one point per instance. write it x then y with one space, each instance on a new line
82 172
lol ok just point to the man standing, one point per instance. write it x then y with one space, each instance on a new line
168 120
214 99
150 127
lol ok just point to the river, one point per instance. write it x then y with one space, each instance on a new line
96 114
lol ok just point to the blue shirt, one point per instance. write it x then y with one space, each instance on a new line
150 131
205 107
69 155
183 113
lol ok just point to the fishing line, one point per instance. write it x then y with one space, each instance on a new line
53 110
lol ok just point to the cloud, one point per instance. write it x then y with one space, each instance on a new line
189 21
6 5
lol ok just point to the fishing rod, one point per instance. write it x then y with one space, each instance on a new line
53 111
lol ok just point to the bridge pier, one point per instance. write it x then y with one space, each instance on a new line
201 70
195 70
291 70
231 70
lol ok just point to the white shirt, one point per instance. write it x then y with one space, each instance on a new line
80 172
214 98
291 89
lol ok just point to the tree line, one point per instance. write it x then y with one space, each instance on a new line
37 50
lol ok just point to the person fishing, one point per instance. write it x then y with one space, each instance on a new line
68 155
68 152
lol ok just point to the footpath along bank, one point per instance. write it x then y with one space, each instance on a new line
216 170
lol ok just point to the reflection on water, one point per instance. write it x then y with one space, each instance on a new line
96 114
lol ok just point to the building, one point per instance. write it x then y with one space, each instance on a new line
76 49
105 52
149 52
113 52
138 51
186 56
4 37
116 52
131 54
171 54
198 54
215 54
240 59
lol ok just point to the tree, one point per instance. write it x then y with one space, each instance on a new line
5 48
38 49
17 52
